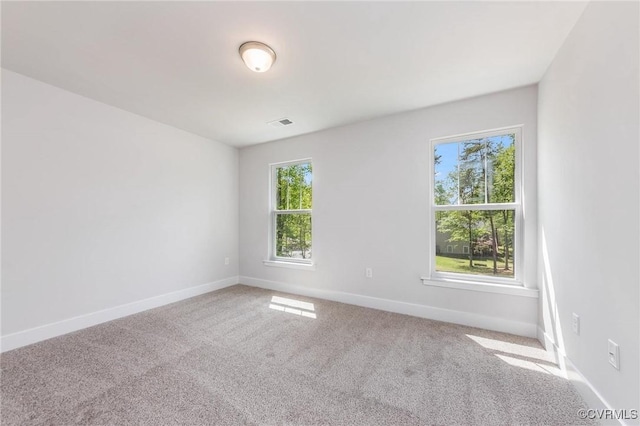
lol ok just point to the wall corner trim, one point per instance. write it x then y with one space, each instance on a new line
48 331
587 391
416 310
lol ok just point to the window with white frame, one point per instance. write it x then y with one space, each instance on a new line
475 202
291 211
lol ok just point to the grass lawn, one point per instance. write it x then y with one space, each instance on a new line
480 266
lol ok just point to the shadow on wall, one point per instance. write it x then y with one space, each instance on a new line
550 317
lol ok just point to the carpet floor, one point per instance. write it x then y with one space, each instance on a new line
243 355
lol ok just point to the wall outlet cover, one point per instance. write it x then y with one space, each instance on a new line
614 354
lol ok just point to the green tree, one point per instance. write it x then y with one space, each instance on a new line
494 163
473 185
504 192
462 225
293 229
484 174
477 156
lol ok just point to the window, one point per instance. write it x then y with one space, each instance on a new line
475 203
291 211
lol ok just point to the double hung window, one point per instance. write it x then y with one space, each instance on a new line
291 211
476 206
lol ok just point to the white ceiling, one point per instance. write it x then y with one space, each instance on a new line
338 62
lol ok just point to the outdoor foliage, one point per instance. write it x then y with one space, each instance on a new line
479 171
293 211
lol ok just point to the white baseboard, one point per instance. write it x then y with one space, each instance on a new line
423 311
590 394
47 331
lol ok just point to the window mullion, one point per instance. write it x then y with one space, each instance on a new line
476 207
292 211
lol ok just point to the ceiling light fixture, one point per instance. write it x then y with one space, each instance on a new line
257 56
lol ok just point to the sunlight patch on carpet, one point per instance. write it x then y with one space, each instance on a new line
528 357
292 306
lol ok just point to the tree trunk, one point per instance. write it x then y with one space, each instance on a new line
494 244
505 215
470 224
302 240
279 241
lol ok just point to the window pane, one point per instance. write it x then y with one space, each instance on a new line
293 235
293 187
501 169
475 242
446 177
475 171
471 172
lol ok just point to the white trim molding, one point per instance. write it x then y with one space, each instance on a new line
587 391
511 289
291 265
48 331
423 311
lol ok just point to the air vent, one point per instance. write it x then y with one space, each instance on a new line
280 123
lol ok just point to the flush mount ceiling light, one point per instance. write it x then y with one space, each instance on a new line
257 56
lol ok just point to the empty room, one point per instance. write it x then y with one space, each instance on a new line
301 213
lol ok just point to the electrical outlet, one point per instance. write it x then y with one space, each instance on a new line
614 354
368 272
576 323
226 261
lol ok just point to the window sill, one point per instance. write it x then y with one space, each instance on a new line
514 290
290 265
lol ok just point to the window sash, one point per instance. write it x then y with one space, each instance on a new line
274 225
518 183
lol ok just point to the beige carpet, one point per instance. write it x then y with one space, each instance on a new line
242 356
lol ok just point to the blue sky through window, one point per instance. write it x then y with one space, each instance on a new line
449 155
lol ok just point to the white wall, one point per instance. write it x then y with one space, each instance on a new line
101 207
588 198
371 206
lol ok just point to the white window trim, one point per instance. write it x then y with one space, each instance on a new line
481 282
290 265
279 261
473 285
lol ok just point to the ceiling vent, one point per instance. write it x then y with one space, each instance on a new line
280 123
